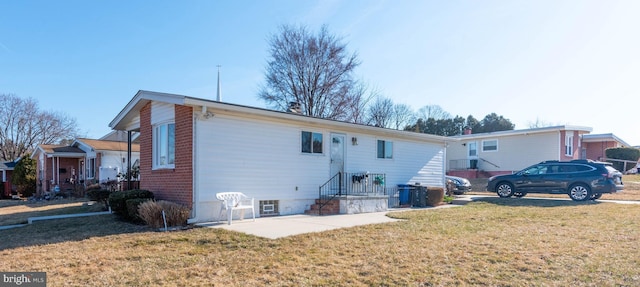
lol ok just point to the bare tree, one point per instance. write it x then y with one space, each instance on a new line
433 111
23 126
314 71
381 113
539 124
402 116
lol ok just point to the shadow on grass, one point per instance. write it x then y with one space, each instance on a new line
64 230
21 217
532 201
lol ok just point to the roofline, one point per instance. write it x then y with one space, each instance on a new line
80 141
604 136
143 97
525 131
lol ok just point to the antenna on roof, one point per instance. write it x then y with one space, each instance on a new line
219 95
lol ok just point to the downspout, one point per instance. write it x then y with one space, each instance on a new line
129 160
444 165
194 166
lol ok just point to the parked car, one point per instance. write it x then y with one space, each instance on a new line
457 185
580 179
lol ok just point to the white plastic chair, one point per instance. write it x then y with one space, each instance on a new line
235 201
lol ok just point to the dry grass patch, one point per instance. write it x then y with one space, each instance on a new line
496 242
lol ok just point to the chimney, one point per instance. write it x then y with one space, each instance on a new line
294 107
467 131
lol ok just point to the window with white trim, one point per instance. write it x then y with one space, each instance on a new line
311 142
568 145
164 145
490 145
385 149
91 168
473 149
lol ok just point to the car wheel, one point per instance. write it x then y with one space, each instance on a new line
519 194
579 192
504 189
596 196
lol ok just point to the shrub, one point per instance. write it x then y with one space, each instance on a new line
175 214
435 196
623 153
151 213
118 200
99 195
95 186
132 208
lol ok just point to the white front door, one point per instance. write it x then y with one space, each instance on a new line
337 153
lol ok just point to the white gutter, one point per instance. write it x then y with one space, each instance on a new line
195 164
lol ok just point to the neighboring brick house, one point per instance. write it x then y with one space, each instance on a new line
191 149
6 170
595 145
81 163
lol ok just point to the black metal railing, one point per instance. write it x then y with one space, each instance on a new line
346 183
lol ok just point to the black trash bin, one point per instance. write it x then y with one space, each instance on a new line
419 196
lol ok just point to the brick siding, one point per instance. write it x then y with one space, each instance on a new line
175 184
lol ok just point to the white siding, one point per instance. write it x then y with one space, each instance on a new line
162 112
115 159
264 160
514 153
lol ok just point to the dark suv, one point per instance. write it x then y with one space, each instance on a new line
581 179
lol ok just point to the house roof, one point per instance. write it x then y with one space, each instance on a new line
7 165
59 150
105 145
120 136
603 138
129 117
525 132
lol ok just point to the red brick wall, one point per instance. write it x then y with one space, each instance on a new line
596 150
576 148
168 184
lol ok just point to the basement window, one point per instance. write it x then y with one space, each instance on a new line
269 207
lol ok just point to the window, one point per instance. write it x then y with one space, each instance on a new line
473 149
568 145
164 152
385 149
311 142
490 145
91 168
269 207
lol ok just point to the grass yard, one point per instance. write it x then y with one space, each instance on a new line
494 242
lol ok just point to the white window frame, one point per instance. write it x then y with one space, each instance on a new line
311 150
162 147
91 168
386 145
568 145
469 145
485 146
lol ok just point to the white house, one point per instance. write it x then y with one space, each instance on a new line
83 162
487 154
192 148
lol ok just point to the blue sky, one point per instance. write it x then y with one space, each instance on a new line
560 62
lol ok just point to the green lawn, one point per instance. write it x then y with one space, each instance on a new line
495 242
